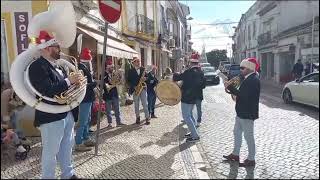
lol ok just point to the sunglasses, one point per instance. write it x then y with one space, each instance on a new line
242 68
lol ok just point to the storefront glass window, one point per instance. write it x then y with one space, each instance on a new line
4 56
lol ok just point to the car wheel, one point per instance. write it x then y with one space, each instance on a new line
286 96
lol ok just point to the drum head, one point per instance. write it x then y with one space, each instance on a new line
168 92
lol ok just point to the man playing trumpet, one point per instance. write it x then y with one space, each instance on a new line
111 96
247 108
56 130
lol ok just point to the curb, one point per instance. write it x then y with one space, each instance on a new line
199 163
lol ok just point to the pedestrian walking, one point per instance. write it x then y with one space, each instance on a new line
297 69
247 109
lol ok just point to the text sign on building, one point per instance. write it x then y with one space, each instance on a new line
110 10
21 21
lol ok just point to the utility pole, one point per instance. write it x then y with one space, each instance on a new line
312 43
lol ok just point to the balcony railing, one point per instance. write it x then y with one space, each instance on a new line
145 25
264 38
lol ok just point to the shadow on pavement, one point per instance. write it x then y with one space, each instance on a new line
167 138
144 166
234 169
304 110
106 133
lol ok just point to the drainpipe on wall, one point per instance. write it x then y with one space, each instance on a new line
312 43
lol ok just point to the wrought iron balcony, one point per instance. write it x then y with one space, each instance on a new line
264 38
144 25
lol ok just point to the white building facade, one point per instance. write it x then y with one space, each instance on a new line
278 33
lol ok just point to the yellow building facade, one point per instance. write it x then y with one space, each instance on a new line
15 16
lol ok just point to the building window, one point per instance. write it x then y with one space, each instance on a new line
153 60
142 56
254 54
4 56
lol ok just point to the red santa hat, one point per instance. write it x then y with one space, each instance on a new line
85 55
254 60
109 63
44 40
248 64
195 55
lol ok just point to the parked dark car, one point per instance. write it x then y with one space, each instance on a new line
210 75
234 70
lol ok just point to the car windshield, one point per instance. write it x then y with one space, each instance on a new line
206 65
235 67
227 66
208 69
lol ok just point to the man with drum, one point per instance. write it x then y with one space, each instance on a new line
193 83
136 75
152 82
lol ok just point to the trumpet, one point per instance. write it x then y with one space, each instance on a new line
235 82
74 90
115 80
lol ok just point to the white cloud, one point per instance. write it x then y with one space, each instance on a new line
216 36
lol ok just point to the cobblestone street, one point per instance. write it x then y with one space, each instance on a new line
287 144
287 137
132 151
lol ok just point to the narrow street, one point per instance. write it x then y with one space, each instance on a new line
287 137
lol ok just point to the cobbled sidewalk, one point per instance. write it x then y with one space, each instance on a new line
130 152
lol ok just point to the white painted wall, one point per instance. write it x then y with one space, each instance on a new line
294 13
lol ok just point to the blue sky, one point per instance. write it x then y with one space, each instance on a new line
205 12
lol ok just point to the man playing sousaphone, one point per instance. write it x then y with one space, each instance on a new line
136 79
56 129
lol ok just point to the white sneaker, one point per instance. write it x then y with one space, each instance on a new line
21 149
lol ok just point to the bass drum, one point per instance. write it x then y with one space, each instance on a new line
168 92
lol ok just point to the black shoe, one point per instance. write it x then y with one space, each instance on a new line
153 116
138 120
147 121
120 124
187 135
192 140
74 177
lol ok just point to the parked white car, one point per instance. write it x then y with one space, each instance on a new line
304 90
